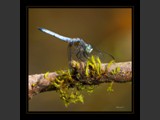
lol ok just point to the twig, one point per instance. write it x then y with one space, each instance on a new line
39 83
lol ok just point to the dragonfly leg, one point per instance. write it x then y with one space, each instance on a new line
85 55
69 54
81 56
77 54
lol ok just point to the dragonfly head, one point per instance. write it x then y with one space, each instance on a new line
88 48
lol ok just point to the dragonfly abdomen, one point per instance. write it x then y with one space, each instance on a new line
63 38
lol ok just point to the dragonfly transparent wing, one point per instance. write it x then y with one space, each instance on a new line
104 56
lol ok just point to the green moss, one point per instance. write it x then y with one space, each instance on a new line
115 71
70 84
33 84
46 75
109 65
87 69
110 88
90 88
93 67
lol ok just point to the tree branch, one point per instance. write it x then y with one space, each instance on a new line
40 83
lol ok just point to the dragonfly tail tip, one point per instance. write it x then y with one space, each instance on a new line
39 28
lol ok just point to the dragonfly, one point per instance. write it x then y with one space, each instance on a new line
82 50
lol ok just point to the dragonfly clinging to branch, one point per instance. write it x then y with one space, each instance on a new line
82 50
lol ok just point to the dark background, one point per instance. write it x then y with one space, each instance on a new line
109 29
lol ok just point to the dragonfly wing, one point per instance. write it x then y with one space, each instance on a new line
104 56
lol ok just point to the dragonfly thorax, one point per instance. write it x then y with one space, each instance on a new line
88 48
84 46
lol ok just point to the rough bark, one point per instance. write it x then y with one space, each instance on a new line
38 83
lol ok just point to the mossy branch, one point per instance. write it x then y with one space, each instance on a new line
89 73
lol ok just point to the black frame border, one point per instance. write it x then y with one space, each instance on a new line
135 59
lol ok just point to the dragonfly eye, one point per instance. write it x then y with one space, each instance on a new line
89 48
